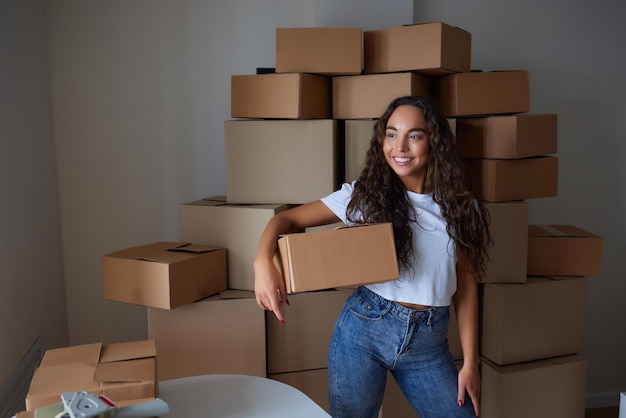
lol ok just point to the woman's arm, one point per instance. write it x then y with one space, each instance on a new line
269 285
466 307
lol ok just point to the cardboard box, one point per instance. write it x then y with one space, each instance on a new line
300 160
313 383
509 230
483 93
238 228
507 136
550 388
218 335
330 51
519 322
164 274
520 179
281 96
342 257
428 48
367 96
124 372
359 134
563 250
302 342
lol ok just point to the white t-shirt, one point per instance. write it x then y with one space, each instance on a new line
432 280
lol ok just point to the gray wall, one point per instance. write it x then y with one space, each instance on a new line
575 54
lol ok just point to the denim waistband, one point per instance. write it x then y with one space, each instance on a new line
400 311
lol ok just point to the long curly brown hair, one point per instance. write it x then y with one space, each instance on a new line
380 196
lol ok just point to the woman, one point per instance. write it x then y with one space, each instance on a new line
415 179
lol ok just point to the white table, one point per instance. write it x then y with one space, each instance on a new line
235 396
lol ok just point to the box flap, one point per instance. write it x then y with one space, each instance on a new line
139 370
127 351
86 353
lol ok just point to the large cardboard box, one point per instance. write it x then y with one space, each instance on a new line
367 96
302 342
163 274
428 48
238 228
483 93
338 258
323 50
282 161
507 136
313 383
281 96
519 179
542 318
563 250
359 134
550 388
123 372
222 334
509 230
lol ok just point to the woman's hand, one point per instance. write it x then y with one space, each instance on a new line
269 287
469 381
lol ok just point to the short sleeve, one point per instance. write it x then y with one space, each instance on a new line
338 201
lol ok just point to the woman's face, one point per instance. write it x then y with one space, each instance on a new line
406 146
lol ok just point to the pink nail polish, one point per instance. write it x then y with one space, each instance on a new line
460 403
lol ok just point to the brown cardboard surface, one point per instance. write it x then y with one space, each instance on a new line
563 250
507 136
550 388
299 164
319 50
429 48
483 93
367 96
509 230
281 96
211 336
519 179
163 274
313 383
519 322
237 227
302 342
338 258
358 136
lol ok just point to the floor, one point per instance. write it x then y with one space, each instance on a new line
602 413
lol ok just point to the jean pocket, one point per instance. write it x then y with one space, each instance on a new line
438 321
364 307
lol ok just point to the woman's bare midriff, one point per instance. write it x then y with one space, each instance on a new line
413 306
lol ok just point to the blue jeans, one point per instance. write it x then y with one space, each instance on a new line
373 335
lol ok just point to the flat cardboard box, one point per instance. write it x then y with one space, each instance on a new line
542 318
281 96
428 48
507 136
301 343
238 228
358 134
124 372
563 250
339 258
299 164
520 179
483 93
319 50
509 230
222 334
164 274
549 388
313 383
367 96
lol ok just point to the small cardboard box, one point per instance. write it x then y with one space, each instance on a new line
554 388
509 230
428 48
520 179
123 372
238 228
281 96
367 96
339 258
483 93
164 274
299 164
563 250
330 51
302 342
518 321
313 383
507 136
222 334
